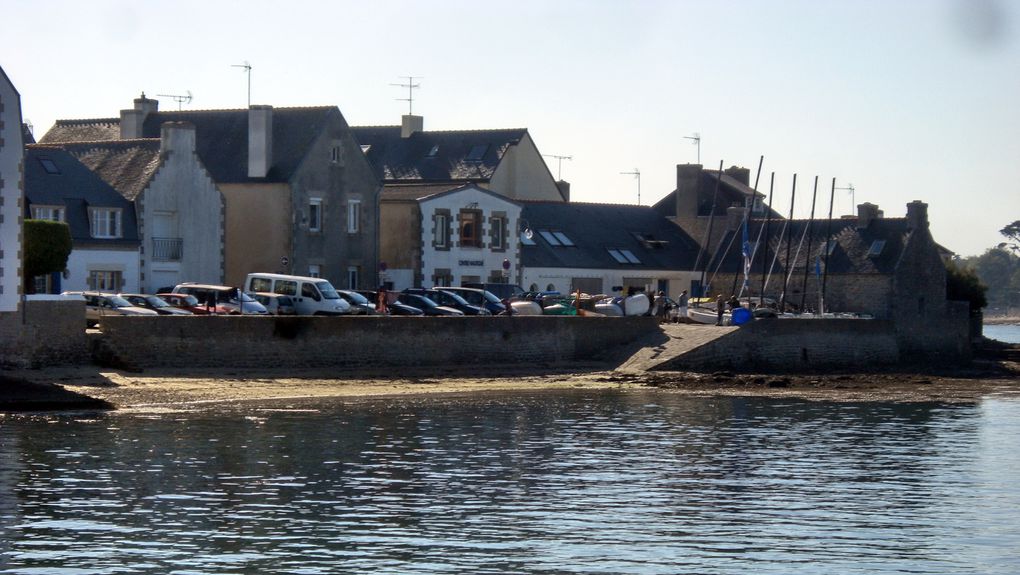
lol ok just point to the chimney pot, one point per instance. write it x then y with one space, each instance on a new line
410 124
917 215
260 141
867 212
688 179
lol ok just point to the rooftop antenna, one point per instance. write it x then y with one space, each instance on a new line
559 163
411 86
697 141
247 70
849 188
177 98
637 174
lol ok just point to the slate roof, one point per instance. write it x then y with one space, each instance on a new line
221 137
127 165
849 256
412 192
731 192
440 156
77 188
594 229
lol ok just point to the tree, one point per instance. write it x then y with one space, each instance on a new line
47 246
963 284
1012 233
996 268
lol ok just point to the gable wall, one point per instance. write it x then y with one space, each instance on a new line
523 175
400 246
11 182
257 229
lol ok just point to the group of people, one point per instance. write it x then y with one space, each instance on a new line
663 305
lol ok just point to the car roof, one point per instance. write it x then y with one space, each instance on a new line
206 286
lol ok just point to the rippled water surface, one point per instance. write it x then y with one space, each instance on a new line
608 482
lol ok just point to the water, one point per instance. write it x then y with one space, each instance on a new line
584 482
1009 333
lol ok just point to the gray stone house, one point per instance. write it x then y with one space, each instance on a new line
299 195
11 152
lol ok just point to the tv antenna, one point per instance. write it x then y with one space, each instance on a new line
850 188
247 70
178 98
559 163
637 174
411 86
697 141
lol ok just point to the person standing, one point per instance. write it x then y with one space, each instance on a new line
660 306
720 308
682 303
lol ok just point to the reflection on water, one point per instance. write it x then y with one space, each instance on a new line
544 483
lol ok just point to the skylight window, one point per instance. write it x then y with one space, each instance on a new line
526 239
876 248
631 258
617 256
624 256
366 148
477 152
434 151
563 238
549 237
49 166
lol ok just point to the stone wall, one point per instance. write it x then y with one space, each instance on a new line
350 342
44 333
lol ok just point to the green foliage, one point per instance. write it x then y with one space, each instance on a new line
998 269
1012 233
962 284
47 246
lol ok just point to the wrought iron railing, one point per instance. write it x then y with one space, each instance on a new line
167 249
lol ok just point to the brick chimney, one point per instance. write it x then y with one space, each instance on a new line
734 217
564 188
132 121
410 124
917 215
865 213
688 177
176 137
260 141
742 175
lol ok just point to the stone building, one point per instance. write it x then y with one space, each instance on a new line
299 196
11 153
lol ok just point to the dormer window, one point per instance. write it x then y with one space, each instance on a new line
477 152
106 223
51 213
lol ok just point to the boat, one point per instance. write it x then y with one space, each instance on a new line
609 307
706 315
636 304
526 308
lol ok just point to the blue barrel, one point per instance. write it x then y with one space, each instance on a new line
740 316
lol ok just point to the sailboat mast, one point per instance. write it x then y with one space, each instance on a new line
786 265
828 238
748 207
765 242
708 239
807 254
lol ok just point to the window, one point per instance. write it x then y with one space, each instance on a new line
441 235
315 215
261 284
52 213
49 166
471 228
106 223
353 216
105 280
433 152
334 155
366 148
477 152
527 239
876 248
549 237
309 291
286 287
832 247
498 232
352 277
563 238
314 271
623 256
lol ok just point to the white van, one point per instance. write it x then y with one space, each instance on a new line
311 296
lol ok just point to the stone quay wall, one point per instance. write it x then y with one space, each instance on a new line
44 333
366 341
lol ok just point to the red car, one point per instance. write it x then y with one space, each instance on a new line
191 303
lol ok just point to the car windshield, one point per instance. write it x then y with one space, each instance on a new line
117 301
456 298
188 300
244 297
421 301
356 297
155 301
327 290
491 297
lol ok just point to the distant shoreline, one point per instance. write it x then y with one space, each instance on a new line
1002 320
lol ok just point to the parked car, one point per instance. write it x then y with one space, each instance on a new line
449 299
479 297
311 296
502 291
190 303
99 304
276 304
427 306
225 296
154 303
360 305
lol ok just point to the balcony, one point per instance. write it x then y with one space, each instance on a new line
167 249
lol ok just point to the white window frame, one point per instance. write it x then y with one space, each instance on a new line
102 219
315 214
106 280
353 216
51 213
441 235
352 277
498 233
314 271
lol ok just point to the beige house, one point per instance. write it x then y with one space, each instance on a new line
11 154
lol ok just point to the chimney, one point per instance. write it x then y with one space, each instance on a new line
742 175
734 217
260 141
410 124
132 121
176 137
688 177
564 188
917 215
865 213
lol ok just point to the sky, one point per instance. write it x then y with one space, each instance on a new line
901 99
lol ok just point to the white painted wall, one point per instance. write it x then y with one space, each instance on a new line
452 259
11 185
561 278
401 278
83 260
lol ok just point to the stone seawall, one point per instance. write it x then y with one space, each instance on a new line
44 333
352 342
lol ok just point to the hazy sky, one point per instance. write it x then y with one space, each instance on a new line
903 99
